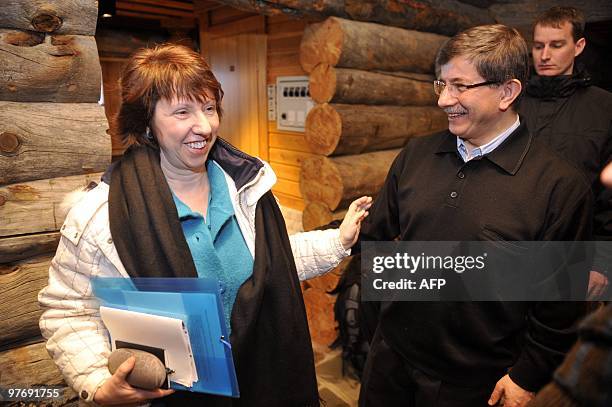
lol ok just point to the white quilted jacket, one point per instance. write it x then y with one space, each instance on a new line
77 340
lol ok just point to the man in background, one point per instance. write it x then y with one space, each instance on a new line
564 110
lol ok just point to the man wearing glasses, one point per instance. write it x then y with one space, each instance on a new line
485 178
563 109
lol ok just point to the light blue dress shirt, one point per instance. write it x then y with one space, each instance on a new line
486 148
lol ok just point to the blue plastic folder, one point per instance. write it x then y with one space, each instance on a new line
196 301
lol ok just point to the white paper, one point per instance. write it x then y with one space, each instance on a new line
156 331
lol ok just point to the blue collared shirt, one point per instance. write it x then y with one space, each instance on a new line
216 244
487 148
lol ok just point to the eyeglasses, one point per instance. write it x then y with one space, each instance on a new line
455 89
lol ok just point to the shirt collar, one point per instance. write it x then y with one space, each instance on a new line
220 208
486 148
510 154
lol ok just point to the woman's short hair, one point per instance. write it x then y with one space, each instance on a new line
164 72
498 52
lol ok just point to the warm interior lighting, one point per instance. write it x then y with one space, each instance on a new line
107 8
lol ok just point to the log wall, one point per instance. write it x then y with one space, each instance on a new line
43 140
443 16
317 213
31 365
373 84
336 129
337 181
20 283
320 306
367 46
76 17
51 68
345 85
52 140
17 248
35 207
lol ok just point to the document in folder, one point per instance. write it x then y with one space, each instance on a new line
169 334
196 303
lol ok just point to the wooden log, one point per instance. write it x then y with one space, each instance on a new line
368 46
421 77
520 14
31 365
336 181
328 282
46 140
57 16
446 17
315 214
329 84
60 68
17 248
20 283
334 129
35 207
320 305
320 315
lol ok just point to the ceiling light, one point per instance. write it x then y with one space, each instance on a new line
107 8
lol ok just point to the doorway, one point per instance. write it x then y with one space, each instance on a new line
238 60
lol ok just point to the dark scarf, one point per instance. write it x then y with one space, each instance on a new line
561 86
270 337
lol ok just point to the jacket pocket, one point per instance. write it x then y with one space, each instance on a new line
499 240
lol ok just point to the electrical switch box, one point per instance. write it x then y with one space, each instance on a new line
293 102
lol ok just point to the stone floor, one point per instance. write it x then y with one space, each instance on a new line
335 389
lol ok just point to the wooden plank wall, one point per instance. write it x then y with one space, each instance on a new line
111 72
287 149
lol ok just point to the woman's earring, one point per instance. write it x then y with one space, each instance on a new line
148 134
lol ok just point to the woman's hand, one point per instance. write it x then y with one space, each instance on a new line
349 229
117 391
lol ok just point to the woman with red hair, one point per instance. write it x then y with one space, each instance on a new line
182 202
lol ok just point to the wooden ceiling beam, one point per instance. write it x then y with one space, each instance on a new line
443 16
124 5
166 3
135 14
179 23
202 6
